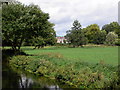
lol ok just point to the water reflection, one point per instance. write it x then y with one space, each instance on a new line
11 79
25 82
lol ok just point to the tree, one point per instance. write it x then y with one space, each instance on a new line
111 38
100 37
64 41
117 31
93 33
39 42
76 36
49 39
21 22
112 27
106 27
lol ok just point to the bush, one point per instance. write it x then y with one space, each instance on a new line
111 38
117 42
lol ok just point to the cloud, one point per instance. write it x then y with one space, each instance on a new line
64 12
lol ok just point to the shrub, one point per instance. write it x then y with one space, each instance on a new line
117 42
111 38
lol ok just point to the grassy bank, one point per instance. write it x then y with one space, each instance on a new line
51 62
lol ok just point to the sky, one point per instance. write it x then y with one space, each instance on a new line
63 12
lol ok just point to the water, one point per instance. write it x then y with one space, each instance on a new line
20 79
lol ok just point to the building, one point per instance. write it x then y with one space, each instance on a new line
61 39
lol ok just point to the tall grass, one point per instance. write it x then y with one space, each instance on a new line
78 73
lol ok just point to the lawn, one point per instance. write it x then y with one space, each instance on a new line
107 55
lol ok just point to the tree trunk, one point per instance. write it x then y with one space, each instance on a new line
38 46
14 48
73 46
19 46
35 47
82 46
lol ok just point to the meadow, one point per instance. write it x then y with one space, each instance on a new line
90 54
88 67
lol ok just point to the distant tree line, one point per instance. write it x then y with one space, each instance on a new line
78 36
26 25
29 25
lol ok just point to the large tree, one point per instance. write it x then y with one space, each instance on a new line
117 31
100 37
21 22
76 36
112 27
94 34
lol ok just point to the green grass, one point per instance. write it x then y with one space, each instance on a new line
107 55
78 74
88 67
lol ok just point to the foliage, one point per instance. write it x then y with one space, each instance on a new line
100 37
84 75
112 27
111 38
117 42
76 36
39 42
91 34
21 22
94 34
117 31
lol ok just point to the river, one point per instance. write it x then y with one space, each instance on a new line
20 79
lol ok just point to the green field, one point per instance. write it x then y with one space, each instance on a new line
88 67
108 55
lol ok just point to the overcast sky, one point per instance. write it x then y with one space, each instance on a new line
64 12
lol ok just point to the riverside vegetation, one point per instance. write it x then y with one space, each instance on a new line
76 72
86 67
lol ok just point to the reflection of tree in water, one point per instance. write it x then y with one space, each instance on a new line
9 78
13 79
26 82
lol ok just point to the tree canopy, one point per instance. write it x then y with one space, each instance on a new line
76 36
111 38
94 34
112 27
21 22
